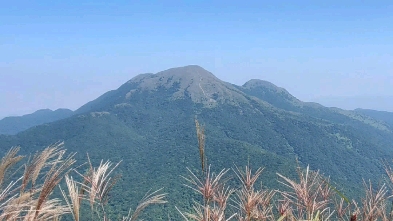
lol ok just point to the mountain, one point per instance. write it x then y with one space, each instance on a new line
383 116
282 99
148 123
14 125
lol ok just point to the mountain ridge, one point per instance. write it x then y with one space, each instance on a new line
375 102
15 124
384 116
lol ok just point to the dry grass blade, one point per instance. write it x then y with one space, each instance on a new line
346 210
59 168
248 203
342 209
209 186
205 213
75 198
148 199
216 213
255 205
246 176
306 195
7 191
214 194
39 161
267 198
201 144
6 200
7 161
284 208
222 195
97 181
50 210
389 171
197 215
325 189
18 204
374 204
108 186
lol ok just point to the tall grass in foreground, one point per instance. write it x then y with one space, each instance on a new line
24 198
30 197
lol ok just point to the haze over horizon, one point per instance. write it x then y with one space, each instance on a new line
62 55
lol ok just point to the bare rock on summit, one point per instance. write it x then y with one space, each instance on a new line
191 81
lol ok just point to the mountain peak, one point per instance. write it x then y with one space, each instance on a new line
189 72
256 83
272 94
190 81
261 83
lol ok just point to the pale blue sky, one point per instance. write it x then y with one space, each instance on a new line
64 53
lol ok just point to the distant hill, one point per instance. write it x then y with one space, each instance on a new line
381 103
148 123
384 116
14 125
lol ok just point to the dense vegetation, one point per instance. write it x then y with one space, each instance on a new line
32 195
152 132
383 116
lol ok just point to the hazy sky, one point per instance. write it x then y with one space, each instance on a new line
64 53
